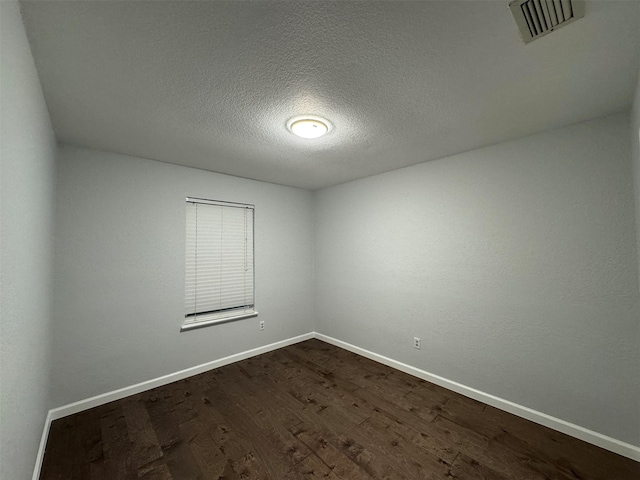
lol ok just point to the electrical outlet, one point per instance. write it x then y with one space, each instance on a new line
416 343
261 324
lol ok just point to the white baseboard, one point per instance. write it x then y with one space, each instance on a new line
98 400
595 438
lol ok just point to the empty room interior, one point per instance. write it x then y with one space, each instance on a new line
338 239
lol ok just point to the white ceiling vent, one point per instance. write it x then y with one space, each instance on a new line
536 18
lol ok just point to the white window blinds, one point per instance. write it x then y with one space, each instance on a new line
219 280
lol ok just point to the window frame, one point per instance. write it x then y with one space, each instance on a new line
243 311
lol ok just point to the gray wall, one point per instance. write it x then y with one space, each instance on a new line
515 264
635 152
635 155
27 172
119 263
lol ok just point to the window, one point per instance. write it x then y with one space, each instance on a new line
219 280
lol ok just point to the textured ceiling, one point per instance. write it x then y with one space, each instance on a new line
211 84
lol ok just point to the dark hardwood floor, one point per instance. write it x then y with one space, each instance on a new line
312 410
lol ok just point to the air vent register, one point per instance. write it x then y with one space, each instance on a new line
537 18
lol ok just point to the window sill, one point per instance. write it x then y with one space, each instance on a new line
216 321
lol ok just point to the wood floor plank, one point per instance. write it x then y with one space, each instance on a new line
176 452
311 467
494 455
156 471
75 448
208 456
410 434
312 390
372 378
341 429
422 436
367 399
381 450
117 446
310 411
258 406
145 447
370 461
320 369
234 443
341 465
467 468
277 451
87 443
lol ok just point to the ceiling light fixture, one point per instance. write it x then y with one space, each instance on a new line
308 126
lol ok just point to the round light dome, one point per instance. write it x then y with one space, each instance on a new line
308 127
